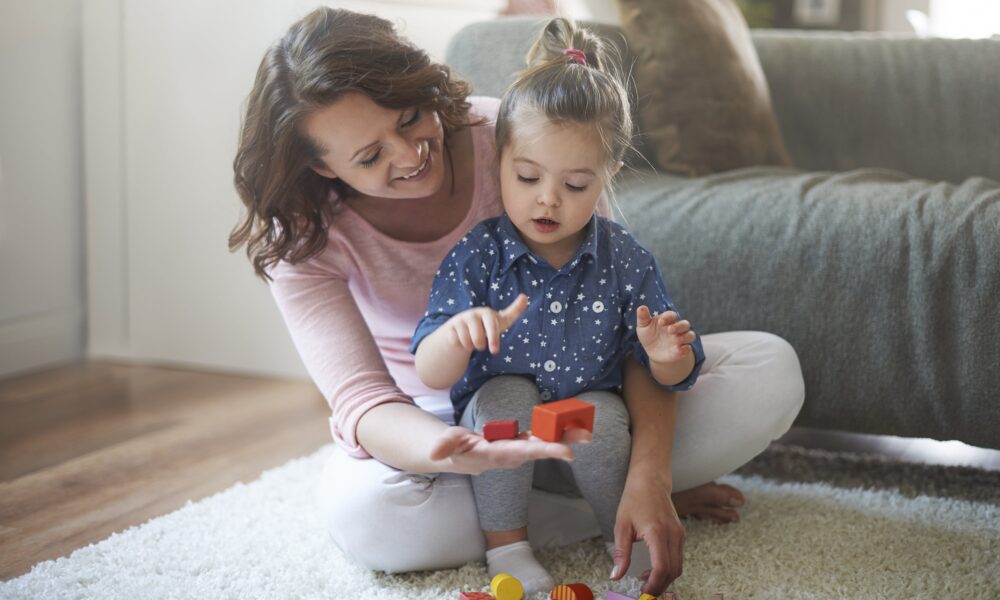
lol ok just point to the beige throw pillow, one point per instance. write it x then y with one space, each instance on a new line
704 104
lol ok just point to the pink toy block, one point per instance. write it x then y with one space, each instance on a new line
505 429
550 420
475 596
617 596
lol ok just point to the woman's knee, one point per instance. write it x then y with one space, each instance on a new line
393 521
784 376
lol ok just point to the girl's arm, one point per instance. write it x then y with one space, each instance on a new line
440 362
443 355
646 511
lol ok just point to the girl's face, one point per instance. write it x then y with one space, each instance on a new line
551 178
380 152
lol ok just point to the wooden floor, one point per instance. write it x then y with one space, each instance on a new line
92 449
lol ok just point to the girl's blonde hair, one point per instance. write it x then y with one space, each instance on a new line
324 55
560 87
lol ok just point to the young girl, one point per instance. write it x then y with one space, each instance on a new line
550 298
361 162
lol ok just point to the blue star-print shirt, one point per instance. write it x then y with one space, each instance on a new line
580 322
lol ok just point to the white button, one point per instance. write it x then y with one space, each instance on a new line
546 395
555 307
597 307
550 365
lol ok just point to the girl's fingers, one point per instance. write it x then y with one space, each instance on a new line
642 316
491 321
477 333
464 336
510 314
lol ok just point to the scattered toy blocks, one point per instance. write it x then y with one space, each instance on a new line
571 591
505 429
506 587
550 420
475 596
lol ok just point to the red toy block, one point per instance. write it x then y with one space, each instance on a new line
549 421
572 591
500 430
476 596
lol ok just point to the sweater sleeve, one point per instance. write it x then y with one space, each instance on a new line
335 345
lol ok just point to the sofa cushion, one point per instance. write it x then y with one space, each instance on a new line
886 286
704 103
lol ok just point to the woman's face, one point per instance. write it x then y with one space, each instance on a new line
380 152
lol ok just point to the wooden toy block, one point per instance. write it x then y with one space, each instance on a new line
571 591
717 597
550 420
505 429
475 596
506 587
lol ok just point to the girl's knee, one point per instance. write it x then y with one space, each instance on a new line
506 397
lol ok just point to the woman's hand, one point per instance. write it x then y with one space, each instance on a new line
647 513
481 327
466 451
665 339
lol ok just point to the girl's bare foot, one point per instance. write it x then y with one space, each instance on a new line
714 501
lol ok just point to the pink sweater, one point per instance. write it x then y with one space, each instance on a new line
352 309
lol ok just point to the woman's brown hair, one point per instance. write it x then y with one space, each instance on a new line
324 55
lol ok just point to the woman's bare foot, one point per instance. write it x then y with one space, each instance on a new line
714 501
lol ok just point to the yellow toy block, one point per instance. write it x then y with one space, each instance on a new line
506 587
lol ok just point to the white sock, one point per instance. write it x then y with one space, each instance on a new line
518 560
640 558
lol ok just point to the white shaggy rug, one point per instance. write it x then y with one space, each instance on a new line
795 540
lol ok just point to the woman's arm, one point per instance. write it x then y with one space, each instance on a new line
372 417
646 511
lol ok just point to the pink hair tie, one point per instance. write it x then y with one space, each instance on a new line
576 56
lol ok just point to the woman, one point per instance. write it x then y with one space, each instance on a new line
361 163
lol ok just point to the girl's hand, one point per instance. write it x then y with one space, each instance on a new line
646 512
477 328
470 453
664 338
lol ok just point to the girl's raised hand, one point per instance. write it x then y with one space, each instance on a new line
481 327
664 338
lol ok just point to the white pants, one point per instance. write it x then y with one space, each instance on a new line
748 393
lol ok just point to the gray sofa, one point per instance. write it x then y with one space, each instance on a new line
877 256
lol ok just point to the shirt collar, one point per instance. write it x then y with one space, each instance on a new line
513 246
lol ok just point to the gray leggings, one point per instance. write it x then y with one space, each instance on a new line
597 473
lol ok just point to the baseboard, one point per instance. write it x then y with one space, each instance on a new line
38 341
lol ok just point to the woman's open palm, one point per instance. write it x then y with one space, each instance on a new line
471 453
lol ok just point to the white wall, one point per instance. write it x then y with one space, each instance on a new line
41 182
165 81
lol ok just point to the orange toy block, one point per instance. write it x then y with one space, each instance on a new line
475 596
549 421
572 591
505 429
